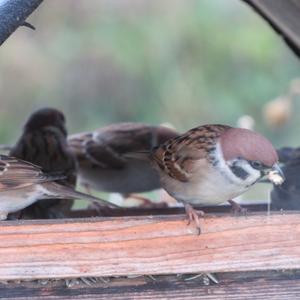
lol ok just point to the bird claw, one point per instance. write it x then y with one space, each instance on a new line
100 209
194 216
237 209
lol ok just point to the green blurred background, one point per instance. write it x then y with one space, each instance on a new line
185 62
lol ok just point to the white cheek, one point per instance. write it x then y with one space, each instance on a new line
224 168
254 174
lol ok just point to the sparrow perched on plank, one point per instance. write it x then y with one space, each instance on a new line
102 161
23 183
44 143
211 164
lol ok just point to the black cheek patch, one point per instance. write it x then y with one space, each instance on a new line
239 172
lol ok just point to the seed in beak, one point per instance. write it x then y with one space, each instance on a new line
276 175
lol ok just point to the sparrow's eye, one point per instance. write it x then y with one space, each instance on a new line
256 164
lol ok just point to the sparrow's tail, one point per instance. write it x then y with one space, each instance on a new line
64 192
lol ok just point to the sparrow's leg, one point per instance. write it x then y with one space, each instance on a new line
95 205
193 215
87 188
145 202
236 208
100 209
137 197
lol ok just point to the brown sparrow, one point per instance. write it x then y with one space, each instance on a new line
211 164
22 183
102 161
44 143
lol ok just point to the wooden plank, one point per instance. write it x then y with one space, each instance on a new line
148 245
283 16
250 285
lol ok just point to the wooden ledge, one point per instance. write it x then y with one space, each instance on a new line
148 245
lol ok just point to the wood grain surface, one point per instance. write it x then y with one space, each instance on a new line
148 245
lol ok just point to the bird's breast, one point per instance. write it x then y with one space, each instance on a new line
206 186
15 199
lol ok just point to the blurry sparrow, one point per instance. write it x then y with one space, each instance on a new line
22 183
43 142
102 161
287 196
212 164
287 154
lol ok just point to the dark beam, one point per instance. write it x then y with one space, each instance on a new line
240 285
283 16
13 14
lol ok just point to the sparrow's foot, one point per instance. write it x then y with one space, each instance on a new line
95 205
100 209
87 188
237 209
193 216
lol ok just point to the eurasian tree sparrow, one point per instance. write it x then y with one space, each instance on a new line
102 161
44 143
22 184
211 164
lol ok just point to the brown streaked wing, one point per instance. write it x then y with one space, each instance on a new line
76 142
15 173
106 146
176 157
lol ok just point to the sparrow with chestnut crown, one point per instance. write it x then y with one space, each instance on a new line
211 164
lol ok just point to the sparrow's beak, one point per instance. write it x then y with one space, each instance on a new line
276 175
